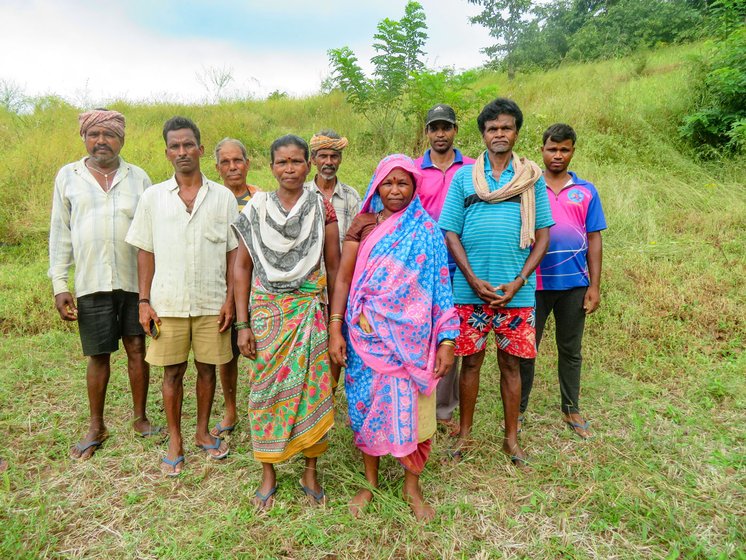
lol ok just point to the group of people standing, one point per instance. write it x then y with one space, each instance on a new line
308 280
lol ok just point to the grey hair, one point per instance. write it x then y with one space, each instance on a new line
233 141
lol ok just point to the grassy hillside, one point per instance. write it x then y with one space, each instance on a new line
663 379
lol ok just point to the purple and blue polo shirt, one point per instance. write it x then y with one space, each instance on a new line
577 212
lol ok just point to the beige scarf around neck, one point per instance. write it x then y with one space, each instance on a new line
526 175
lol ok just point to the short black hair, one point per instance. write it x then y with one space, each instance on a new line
559 132
179 123
288 140
497 107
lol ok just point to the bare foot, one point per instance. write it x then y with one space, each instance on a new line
359 501
87 446
421 509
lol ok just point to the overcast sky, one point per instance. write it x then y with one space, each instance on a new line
94 52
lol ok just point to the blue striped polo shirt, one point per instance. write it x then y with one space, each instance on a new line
490 233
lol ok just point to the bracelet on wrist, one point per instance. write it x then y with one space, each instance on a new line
241 325
523 278
448 342
336 316
334 319
143 300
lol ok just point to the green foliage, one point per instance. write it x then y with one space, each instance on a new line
398 45
542 35
628 25
506 22
720 116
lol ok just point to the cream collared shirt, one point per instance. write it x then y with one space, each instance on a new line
88 228
190 249
346 203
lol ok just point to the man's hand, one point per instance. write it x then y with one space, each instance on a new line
592 300
65 305
247 343
338 348
443 360
227 314
485 291
509 290
147 314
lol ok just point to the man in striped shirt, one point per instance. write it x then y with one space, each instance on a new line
497 220
326 154
92 209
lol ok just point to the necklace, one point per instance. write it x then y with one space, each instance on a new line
105 175
188 203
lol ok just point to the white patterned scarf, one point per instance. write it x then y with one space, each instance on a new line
286 247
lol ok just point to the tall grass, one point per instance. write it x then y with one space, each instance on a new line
663 373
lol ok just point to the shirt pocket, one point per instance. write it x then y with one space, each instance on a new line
217 231
127 204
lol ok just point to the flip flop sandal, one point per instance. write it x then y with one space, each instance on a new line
220 429
216 445
318 497
173 464
575 426
81 448
265 498
151 432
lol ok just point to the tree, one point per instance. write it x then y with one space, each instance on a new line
506 21
12 97
398 46
215 79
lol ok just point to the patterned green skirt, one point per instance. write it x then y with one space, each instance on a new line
290 404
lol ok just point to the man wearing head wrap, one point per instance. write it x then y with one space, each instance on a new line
326 154
93 205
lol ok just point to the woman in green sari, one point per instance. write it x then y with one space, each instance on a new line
288 255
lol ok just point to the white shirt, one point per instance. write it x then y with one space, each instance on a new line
88 228
190 249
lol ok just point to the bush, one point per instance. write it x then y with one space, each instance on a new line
720 117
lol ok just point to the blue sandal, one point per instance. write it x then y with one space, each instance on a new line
216 445
172 464
318 497
265 498
575 426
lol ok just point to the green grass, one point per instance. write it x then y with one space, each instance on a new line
663 378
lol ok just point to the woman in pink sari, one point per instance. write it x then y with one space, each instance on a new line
393 295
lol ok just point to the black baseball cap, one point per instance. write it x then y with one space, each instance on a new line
440 112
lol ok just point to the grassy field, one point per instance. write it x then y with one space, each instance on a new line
663 382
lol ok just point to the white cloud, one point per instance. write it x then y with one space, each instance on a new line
91 53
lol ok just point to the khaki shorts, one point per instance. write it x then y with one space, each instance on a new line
180 334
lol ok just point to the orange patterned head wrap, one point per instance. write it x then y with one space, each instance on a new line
113 120
321 142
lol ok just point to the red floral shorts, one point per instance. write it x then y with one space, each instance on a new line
514 327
